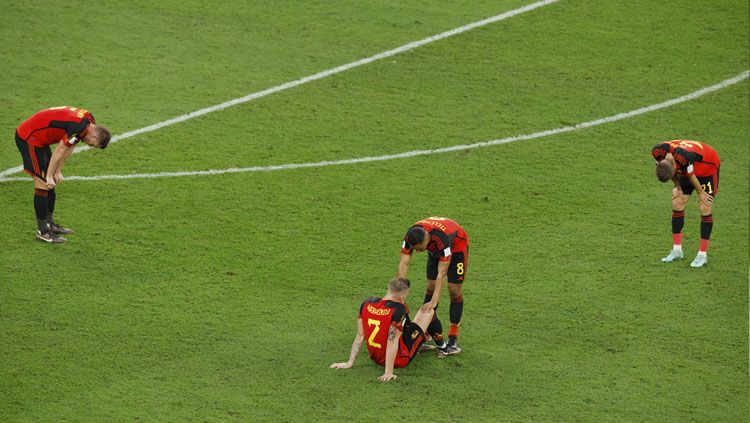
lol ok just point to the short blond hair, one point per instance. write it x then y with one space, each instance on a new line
399 285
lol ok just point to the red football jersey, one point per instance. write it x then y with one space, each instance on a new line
50 126
446 237
691 157
378 316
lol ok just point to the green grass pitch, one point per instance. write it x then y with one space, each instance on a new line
226 297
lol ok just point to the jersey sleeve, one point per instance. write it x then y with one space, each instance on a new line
659 152
73 129
443 243
400 316
685 159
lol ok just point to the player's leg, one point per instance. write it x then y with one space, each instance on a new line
679 202
54 227
35 164
423 318
456 311
456 274
435 327
413 337
45 155
41 208
710 185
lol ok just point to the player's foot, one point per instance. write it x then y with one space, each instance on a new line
700 260
675 254
427 347
59 230
451 349
49 237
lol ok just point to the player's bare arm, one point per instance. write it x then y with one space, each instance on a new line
61 153
390 354
403 266
356 347
58 173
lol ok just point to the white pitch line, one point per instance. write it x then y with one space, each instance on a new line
320 75
583 125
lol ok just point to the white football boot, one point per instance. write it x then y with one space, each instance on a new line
675 254
700 260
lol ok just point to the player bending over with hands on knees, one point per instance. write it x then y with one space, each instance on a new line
392 339
692 166
64 127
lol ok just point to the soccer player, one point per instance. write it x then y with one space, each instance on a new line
64 127
392 339
448 256
692 166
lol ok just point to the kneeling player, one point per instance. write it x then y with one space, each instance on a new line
392 339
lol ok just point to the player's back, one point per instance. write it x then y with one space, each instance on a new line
706 153
688 153
48 126
377 316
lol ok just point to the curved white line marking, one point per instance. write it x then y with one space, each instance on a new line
398 50
614 118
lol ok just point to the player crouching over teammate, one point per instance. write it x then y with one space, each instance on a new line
692 166
64 126
447 246
392 339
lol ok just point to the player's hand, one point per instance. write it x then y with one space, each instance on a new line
431 305
705 198
386 377
676 192
346 365
50 182
58 177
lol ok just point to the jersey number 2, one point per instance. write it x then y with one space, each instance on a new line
371 340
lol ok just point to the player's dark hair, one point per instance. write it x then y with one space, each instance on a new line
399 285
415 236
104 137
664 171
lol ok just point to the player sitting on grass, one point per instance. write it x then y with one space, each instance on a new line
392 339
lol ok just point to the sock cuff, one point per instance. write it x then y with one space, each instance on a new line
40 192
458 299
707 219
678 213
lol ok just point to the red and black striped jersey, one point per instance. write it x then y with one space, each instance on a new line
378 315
52 125
691 157
446 237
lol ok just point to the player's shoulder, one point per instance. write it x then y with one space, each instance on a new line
395 304
369 300
661 149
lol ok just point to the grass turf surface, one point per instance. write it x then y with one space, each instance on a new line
228 296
